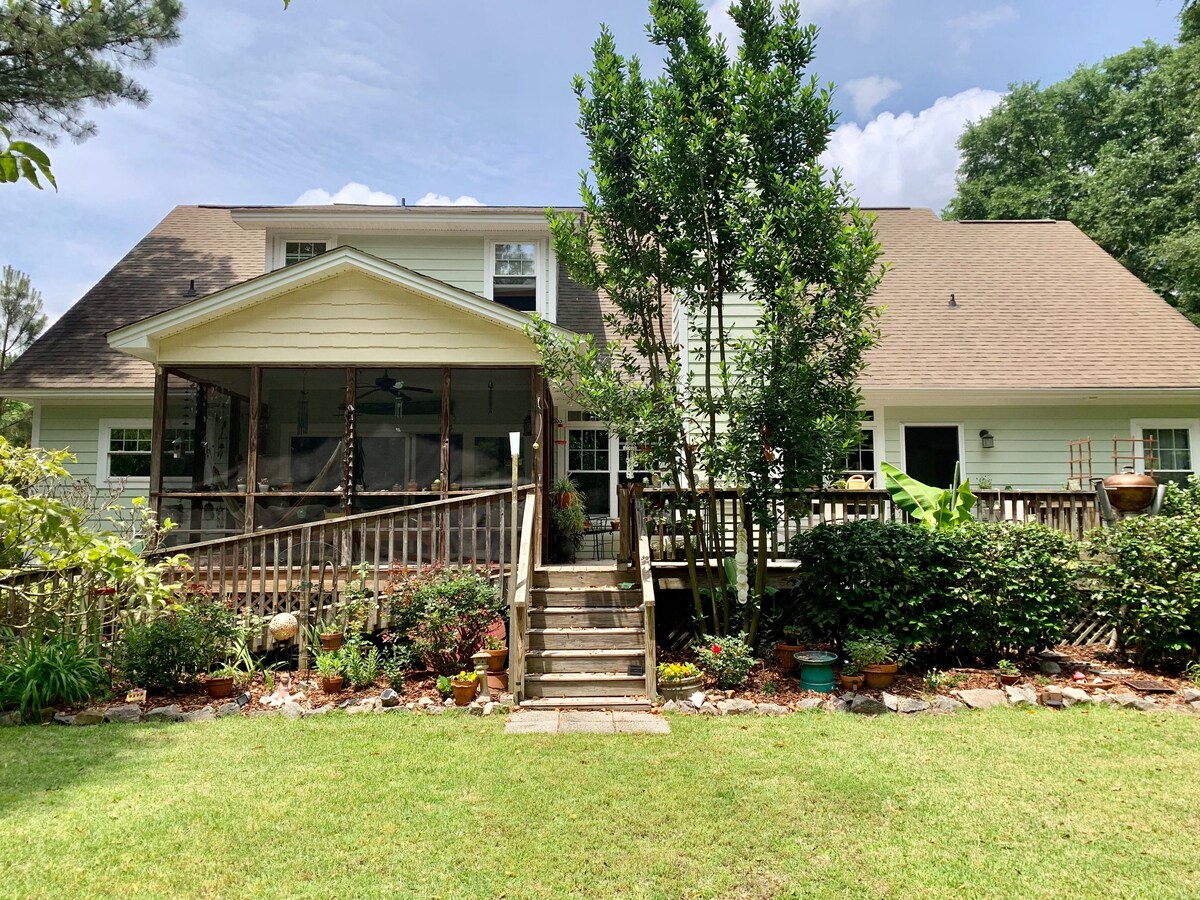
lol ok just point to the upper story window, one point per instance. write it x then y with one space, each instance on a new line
298 251
513 274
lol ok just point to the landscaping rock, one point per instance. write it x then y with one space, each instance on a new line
910 706
475 708
864 705
449 701
11 718
319 710
292 710
1020 694
670 706
435 710
707 709
1191 695
363 706
982 698
126 712
811 703
948 705
890 701
1053 697
1049 668
839 704
60 718
232 708
1073 695
1103 698
1125 698
170 713
489 708
91 716
773 709
425 701
1195 706
204 714
389 698
735 707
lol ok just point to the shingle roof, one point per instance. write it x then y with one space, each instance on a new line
1038 305
200 243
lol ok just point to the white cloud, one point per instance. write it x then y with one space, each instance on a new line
867 93
907 159
965 27
432 199
351 192
865 12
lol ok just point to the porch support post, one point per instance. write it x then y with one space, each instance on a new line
252 445
158 426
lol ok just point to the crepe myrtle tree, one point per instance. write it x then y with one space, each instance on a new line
705 190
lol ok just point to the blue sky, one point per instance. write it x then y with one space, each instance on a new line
470 101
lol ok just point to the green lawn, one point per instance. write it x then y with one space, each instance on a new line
1098 803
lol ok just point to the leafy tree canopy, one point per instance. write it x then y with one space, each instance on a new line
56 56
21 321
1112 148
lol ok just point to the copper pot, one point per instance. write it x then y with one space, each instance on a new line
1130 491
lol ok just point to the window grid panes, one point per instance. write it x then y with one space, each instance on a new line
298 251
1171 453
861 459
587 450
514 276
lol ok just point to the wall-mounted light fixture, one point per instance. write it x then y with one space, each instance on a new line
987 439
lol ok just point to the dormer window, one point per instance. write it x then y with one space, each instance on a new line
298 251
513 271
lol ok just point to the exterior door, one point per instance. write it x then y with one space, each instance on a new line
931 452
589 466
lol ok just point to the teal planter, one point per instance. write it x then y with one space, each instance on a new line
816 670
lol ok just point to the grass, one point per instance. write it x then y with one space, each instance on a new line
1095 803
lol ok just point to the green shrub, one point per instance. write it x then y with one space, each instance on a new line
1182 499
361 663
728 659
1014 589
36 673
1148 584
871 574
446 615
977 590
166 650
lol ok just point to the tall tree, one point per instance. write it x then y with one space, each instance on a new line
1112 148
21 321
57 56
706 195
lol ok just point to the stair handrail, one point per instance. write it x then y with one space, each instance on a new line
646 578
519 613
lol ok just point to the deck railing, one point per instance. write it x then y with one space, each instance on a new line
641 560
303 569
518 622
1072 512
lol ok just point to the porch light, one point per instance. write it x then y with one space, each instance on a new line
987 439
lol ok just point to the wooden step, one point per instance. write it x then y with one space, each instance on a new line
584 684
617 662
585 617
605 595
587 639
597 703
583 576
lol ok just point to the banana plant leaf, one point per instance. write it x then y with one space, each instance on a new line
933 507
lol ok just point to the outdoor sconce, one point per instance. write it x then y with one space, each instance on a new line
177 448
987 439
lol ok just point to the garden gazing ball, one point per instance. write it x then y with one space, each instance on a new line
283 626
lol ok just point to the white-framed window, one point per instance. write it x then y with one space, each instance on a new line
1173 451
124 449
289 249
515 274
863 459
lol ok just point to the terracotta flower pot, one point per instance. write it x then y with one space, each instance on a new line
880 676
464 691
332 640
331 684
219 687
496 659
1008 679
850 682
497 681
787 655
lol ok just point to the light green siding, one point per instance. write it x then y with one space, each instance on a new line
1031 441
77 429
456 260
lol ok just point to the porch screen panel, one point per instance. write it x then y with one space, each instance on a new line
207 430
302 423
398 415
485 405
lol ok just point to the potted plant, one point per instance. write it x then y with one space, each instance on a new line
878 655
678 681
220 682
497 652
330 669
1008 671
851 677
464 685
786 650
568 520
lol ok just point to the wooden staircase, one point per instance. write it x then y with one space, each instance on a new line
587 640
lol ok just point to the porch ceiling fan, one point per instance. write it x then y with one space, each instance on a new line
386 384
